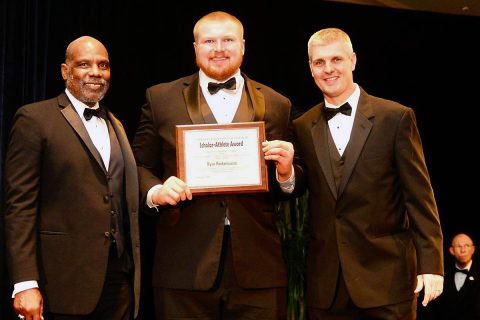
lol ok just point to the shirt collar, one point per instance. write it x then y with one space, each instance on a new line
352 100
469 265
77 104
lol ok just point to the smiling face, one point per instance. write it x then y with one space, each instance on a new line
332 62
86 70
219 45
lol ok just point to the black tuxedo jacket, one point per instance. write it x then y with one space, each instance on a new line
58 207
381 225
189 235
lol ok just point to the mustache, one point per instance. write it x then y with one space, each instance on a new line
102 82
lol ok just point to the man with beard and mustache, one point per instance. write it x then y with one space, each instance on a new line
217 256
71 222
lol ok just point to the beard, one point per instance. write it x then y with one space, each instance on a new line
83 92
220 74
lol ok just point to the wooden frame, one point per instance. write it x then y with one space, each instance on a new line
222 158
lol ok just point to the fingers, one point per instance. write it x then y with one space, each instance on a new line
29 304
277 148
433 287
419 286
279 151
172 192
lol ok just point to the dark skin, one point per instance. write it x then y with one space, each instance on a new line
86 72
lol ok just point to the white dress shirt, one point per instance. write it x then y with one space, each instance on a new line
340 128
341 125
461 277
96 127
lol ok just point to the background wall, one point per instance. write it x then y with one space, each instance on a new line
424 60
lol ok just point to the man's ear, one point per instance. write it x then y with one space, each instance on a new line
64 70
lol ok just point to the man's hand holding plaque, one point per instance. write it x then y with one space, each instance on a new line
172 192
281 152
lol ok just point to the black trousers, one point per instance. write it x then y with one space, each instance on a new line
116 300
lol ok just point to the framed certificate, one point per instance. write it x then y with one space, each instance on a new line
222 158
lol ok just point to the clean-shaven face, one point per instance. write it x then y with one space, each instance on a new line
332 66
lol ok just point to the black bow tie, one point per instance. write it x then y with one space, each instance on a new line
331 112
215 87
461 270
99 112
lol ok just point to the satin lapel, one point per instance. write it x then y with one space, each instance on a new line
74 120
360 131
319 133
191 94
131 185
258 100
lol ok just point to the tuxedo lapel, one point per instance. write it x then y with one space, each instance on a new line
191 94
131 184
319 134
258 100
76 123
360 131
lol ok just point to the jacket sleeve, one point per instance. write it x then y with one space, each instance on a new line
22 183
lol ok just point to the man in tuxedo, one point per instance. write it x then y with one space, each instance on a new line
217 256
461 296
376 239
71 220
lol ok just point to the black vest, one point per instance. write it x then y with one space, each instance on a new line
337 162
116 187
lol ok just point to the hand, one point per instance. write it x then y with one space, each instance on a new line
433 284
29 303
281 152
172 192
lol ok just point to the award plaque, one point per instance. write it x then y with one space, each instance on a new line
222 158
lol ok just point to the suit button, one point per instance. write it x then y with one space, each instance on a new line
106 198
113 213
107 234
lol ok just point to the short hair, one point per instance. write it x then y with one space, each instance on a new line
216 16
330 35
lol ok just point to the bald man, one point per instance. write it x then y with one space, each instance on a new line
461 296
71 222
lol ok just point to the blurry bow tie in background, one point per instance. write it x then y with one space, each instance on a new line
461 270
88 113
331 112
215 87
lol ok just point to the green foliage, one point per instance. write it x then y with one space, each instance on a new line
292 224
